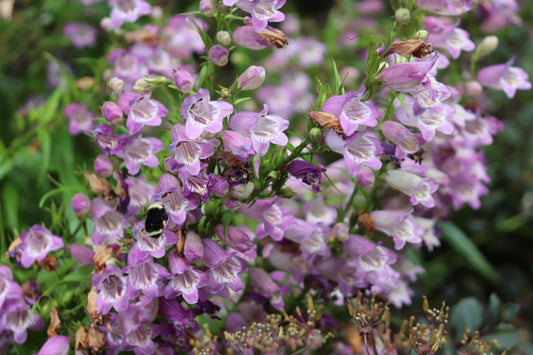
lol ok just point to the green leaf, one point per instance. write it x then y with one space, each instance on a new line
468 312
506 338
10 204
464 246
46 149
494 308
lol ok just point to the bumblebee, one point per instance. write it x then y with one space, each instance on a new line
156 220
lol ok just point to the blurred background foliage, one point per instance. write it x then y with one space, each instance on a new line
483 268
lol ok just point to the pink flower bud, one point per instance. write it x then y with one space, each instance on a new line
81 204
103 166
183 80
208 8
219 55
112 112
252 78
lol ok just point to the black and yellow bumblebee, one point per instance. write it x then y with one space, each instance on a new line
156 220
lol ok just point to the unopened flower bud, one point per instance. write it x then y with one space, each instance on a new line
315 134
252 78
473 88
81 204
225 93
487 46
218 55
242 191
147 85
402 15
208 8
116 85
224 38
112 112
103 166
422 34
183 80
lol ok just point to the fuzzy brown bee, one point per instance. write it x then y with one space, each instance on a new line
416 47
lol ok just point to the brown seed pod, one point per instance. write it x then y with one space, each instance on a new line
415 47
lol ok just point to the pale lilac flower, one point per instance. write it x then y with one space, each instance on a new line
252 78
57 345
239 238
504 77
193 249
80 119
270 217
310 237
128 11
352 112
37 243
262 11
141 110
246 36
318 212
417 188
107 140
187 153
203 114
108 223
112 286
218 55
445 7
238 144
18 318
262 128
81 34
171 195
184 280
360 149
405 141
138 150
144 277
8 288
407 77
445 34
496 14
397 224
155 247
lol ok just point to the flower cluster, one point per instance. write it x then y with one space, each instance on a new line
250 219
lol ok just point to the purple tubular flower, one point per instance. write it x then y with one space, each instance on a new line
262 11
185 280
246 37
504 77
37 243
308 172
128 11
112 286
80 119
57 345
358 150
406 142
203 114
398 225
141 110
252 78
445 7
417 188
218 55
407 77
139 151
108 222
444 34
176 204
193 248
351 111
18 318
261 128
262 281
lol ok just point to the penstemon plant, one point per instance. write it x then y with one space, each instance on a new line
238 205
